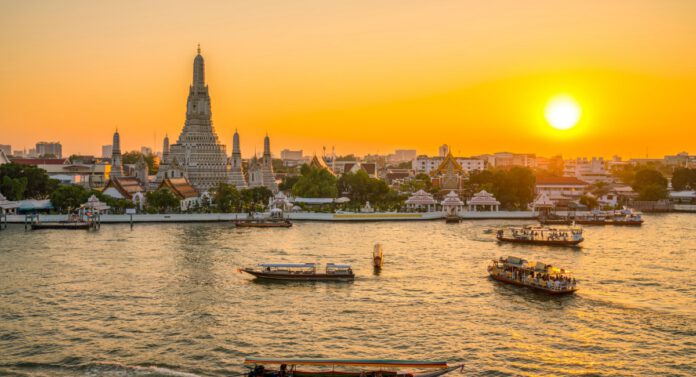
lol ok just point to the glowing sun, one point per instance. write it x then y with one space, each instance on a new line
562 112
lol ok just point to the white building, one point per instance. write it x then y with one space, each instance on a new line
49 148
421 201
106 151
425 164
556 188
591 171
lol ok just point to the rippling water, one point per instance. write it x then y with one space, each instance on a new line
167 300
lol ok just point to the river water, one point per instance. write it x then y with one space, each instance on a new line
166 299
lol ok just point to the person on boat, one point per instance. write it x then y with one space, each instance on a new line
283 368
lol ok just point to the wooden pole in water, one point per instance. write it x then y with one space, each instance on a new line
131 221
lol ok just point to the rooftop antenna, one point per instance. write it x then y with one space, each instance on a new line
199 49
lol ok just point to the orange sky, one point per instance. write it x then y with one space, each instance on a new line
363 76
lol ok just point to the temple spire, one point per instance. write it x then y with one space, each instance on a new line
198 69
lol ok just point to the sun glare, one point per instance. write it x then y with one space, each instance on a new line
562 112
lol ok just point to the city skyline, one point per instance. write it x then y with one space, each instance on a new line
364 80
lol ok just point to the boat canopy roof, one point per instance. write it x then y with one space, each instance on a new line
333 265
351 362
289 265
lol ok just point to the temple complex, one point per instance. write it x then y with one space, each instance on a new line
198 150
449 176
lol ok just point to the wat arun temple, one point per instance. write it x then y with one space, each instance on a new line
198 154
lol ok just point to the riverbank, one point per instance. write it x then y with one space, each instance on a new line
295 216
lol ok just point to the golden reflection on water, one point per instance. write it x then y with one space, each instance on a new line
170 295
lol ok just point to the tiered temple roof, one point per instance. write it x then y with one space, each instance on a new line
180 187
542 201
127 187
452 199
319 163
484 198
95 204
421 198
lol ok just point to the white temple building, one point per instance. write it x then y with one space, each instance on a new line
94 204
483 201
421 201
7 207
542 203
452 204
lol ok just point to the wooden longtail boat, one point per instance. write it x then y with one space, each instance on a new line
301 272
535 275
368 368
541 235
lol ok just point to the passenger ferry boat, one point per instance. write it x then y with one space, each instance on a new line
301 272
542 235
272 367
535 275
623 217
275 220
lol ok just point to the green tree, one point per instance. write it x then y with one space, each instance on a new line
589 201
38 184
13 188
514 188
288 182
161 201
68 197
254 199
652 192
650 184
226 198
421 181
361 188
684 179
132 157
315 183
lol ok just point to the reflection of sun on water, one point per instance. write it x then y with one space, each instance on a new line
562 112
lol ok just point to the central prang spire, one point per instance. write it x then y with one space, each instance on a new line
199 69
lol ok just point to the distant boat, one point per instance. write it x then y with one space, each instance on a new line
377 256
282 367
74 222
263 223
535 275
301 272
542 235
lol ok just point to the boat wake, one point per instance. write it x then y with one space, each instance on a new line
30 369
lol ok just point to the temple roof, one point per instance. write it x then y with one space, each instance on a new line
483 197
127 186
319 163
180 187
421 197
542 201
94 203
452 199
449 161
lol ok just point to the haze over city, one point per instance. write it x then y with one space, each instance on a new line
365 78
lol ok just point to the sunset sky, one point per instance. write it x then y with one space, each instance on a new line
363 76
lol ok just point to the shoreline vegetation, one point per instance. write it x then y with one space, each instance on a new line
514 188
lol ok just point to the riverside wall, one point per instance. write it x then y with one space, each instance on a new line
295 216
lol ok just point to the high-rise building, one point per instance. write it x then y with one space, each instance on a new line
287 154
146 151
443 150
49 148
198 150
106 151
6 148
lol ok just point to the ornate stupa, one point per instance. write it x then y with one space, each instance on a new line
261 170
236 169
116 159
198 149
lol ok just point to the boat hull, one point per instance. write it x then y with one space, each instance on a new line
252 224
537 288
298 277
540 242
69 226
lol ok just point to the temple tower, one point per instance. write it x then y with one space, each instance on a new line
261 171
198 148
165 149
237 171
116 159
